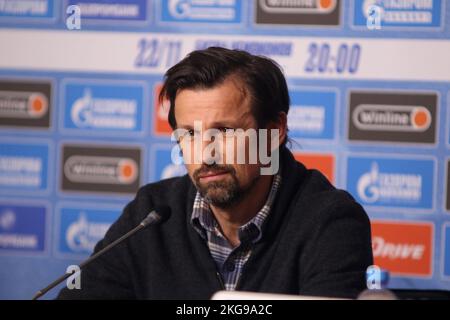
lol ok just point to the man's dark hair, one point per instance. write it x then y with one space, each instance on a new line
204 69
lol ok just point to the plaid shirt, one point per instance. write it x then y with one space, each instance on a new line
229 260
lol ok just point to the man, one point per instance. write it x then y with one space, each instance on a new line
233 227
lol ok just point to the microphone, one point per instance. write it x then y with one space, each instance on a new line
157 216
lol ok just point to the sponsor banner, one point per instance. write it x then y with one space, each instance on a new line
37 10
393 117
80 228
325 163
194 11
405 14
104 169
117 11
300 57
103 107
402 248
22 228
25 103
392 181
161 125
24 167
312 113
445 250
286 12
163 166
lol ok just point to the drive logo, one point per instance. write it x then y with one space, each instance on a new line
228 11
312 12
325 163
393 117
404 249
312 113
81 228
23 167
391 182
25 104
102 169
22 228
403 14
164 167
160 114
103 108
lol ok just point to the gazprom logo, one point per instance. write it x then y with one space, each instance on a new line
95 169
307 118
82 234
22 228
82 227
23 167
228 11
102 106
91 112
26 105
392 118
392 182
7 219
374 186
312 6
405 13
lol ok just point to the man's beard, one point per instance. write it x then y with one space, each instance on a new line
222 194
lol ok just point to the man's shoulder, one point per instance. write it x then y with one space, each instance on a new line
319 198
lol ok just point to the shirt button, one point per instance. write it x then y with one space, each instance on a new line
230 266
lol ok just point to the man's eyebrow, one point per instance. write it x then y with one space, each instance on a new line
184 126
215 124
226 123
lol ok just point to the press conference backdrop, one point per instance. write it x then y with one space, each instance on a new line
81 130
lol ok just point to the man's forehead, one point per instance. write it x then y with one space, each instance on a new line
232 86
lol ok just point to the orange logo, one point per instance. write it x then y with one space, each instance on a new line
403 248
421 118
37 105
322 162
127 170
325 4
161 111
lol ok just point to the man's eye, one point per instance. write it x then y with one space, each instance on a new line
190 132
227 130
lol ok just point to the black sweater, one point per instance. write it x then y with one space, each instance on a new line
316 241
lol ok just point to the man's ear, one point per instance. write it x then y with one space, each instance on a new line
281 125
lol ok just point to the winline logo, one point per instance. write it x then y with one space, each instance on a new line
106 170
27 105
285 6
392 118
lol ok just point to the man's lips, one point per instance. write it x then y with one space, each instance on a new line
211 174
